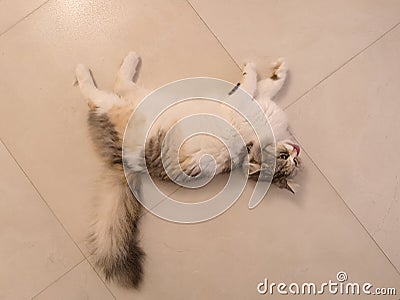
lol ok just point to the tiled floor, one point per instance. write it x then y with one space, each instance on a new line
342 99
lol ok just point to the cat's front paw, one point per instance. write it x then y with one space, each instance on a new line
249 68
279 70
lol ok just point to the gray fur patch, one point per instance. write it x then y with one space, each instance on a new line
105 137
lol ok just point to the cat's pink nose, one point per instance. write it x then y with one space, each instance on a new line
297 148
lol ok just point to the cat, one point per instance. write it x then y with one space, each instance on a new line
113 239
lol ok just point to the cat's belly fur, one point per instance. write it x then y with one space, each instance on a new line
184 160
183 151
169 165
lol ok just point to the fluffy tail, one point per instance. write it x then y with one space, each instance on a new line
114 236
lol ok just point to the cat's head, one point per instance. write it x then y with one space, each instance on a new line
287 163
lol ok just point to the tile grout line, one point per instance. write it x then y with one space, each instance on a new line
314 163
146 211
342 65
348 207
41 197
300 97
215 36
234 61
101 278
53 282
23 18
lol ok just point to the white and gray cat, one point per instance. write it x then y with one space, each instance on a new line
114 232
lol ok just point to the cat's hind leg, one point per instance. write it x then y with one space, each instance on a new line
124 84
271 86
96 98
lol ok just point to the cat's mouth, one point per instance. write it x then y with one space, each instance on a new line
296 147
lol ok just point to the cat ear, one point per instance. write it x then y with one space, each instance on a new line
283 184
287 186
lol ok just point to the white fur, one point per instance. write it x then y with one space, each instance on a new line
130 94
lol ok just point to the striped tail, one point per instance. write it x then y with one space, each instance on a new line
114 233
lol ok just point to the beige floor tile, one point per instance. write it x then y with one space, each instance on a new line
310 236
35 250
316 38
82 283
306 237
11 11
349 127
42 117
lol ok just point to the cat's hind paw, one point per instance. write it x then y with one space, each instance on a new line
130 62
131 58
82 75
128 67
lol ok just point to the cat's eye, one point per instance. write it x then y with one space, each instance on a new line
284 156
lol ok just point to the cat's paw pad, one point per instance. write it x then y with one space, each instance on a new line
279 69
